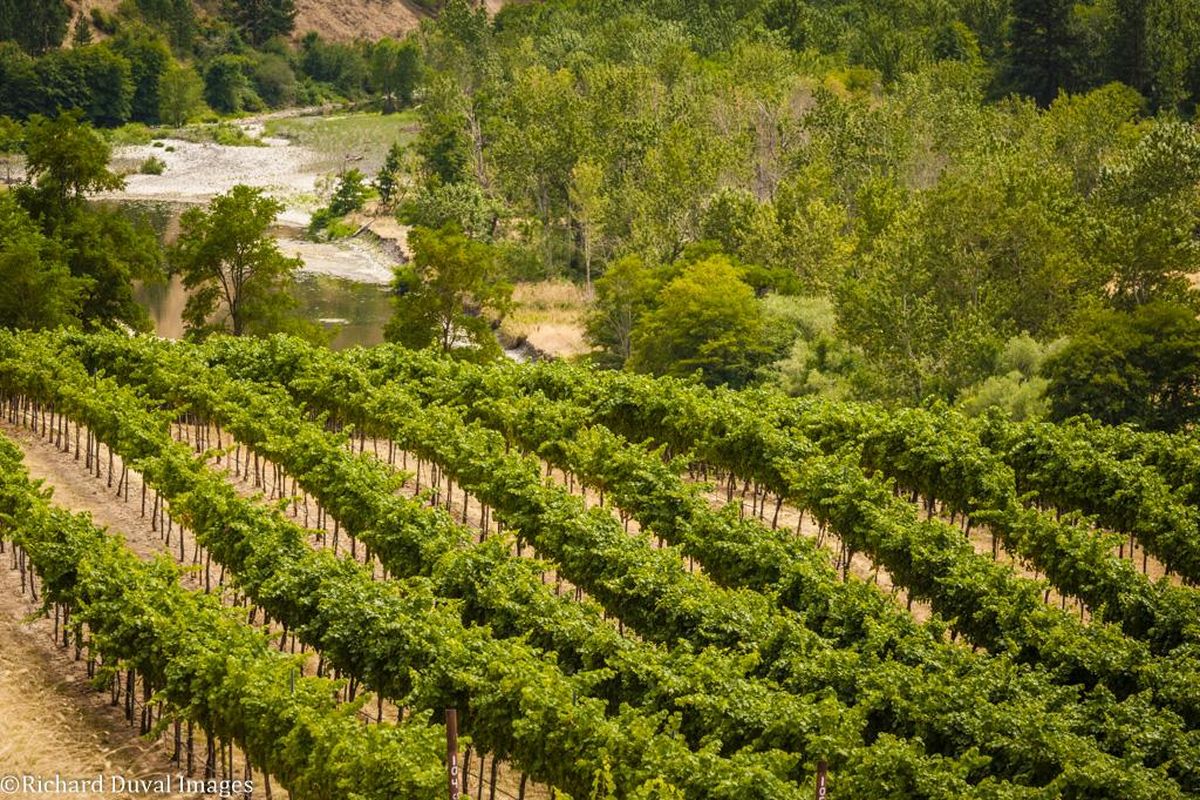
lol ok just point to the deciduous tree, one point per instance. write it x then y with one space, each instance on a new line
235 273
707 319
1141 367
447 294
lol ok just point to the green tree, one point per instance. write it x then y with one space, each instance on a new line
12 142
589 204
37 25
448 294
395 71
225 83
339 65
624 293
1148 210
66 159
181 95
110 252
707 319
350 194
444 144
274 80
176 17
149 58
81 34
37 289
1040 48
260 20
237 278
95 79
20 88
1141 367
387 182
991 251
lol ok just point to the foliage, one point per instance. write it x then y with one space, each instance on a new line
66 159
181 95
149 59
626 291
37 25
1141 366
232 267
94 79
446 297
395 71
462 204
225 83
152 166
388 181
708 320
274 80
176 18
341 66
350 194
81 33
261 20
37 289
1040 55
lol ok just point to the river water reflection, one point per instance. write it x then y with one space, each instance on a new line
356 311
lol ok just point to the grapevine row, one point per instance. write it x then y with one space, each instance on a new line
399 640
651 591
205 665
505 593
989 603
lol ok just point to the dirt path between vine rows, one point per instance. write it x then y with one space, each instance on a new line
54 722
75 489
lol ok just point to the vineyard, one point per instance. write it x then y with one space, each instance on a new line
626 587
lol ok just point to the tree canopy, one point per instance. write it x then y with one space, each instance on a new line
447 296
1141 366
237 277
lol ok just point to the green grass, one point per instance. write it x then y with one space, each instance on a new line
339 137
132 133
223 133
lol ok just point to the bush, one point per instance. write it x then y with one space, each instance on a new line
152 166
133 133
233 136
340 229
350 194
103 22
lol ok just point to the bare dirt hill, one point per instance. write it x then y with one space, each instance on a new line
337 20
347 20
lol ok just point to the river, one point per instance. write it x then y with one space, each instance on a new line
343 285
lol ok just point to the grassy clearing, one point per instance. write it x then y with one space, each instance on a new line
550 316
360 140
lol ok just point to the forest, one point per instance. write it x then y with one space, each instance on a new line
982 202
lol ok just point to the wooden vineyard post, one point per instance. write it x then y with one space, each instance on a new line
822 788
452 751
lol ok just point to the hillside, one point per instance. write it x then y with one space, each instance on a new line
346 20
337 20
